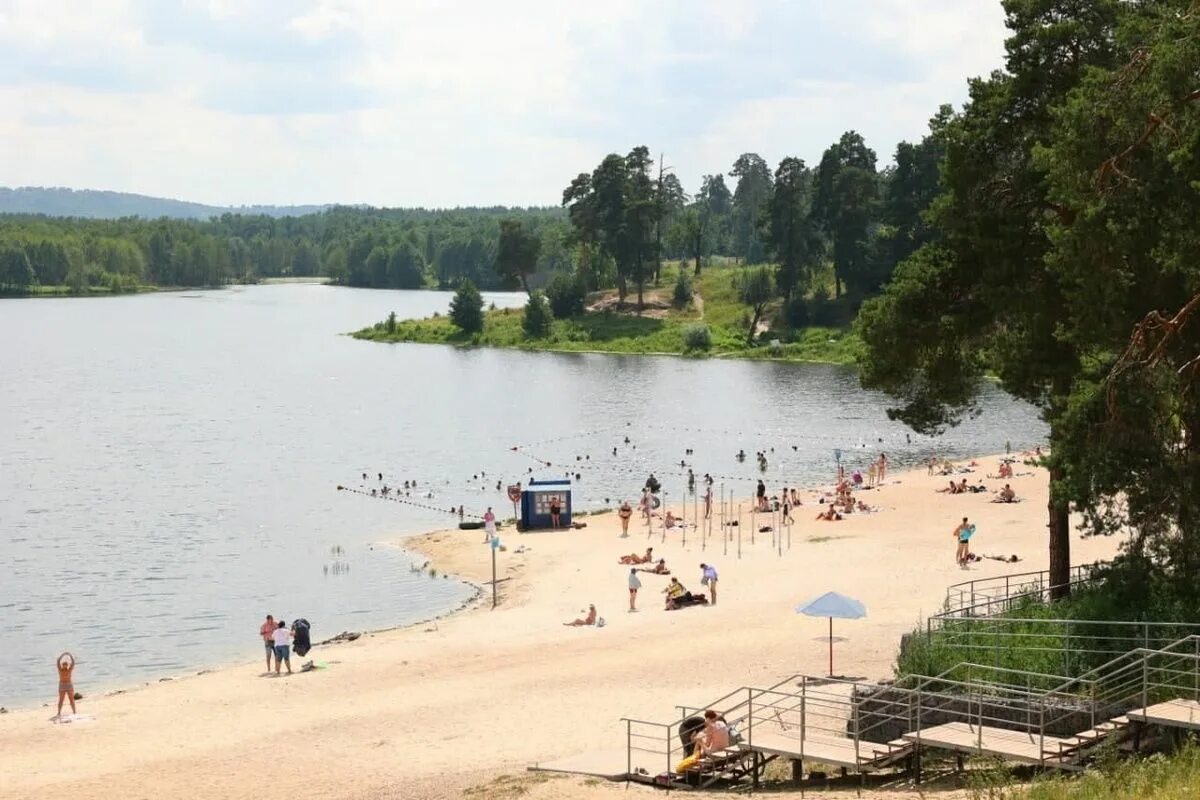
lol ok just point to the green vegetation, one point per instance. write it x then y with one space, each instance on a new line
1061 256
466 310
1159 777
409 248
663 329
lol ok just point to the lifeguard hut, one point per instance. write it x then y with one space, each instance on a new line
535 504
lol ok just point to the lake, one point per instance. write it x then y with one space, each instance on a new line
170 462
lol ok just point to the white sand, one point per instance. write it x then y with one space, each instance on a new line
432 710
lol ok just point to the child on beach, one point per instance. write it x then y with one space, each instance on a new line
66 689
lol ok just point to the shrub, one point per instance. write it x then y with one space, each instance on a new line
466 309
536 322
697 337
683 290
795 313
566 295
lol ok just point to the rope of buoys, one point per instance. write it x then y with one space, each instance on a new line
379 496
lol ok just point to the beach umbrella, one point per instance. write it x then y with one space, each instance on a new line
832 604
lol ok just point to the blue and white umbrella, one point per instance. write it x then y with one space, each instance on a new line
832 604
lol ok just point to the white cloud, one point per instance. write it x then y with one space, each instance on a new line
440 103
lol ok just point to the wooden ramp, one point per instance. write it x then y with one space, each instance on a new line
961 737
612 765
830 750
1173 714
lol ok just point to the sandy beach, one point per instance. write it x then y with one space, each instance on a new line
458 705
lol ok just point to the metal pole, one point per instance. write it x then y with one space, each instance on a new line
494 548
739 527
831 647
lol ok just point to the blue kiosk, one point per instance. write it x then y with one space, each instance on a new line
535 504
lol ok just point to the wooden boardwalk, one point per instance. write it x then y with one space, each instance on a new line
1172 714
1013 745
837 752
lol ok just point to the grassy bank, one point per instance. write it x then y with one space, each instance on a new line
69 291
657 330
1174 777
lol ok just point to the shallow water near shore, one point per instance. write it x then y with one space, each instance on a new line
171 460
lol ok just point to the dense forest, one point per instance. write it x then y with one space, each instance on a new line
616 226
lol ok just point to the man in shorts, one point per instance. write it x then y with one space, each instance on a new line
267 632
708 577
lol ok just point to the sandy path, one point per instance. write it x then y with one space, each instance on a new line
431 710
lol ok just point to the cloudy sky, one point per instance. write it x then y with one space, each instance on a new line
458 102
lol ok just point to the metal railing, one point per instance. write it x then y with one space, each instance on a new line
996 595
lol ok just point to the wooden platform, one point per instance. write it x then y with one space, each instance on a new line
1012 745
1173 714
830 750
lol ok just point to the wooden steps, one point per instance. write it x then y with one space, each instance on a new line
832 750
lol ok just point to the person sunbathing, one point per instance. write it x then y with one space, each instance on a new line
658 569
951 489
634 558
671 521
1006 495
590 619
861 506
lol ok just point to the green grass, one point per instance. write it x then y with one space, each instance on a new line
609 332
1174 777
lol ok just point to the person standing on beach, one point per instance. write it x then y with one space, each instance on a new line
708 577
66 688
282 639
625 513
555 510
963 538
760 495
489 525
882 467
635 583
708 498
267 632
646 504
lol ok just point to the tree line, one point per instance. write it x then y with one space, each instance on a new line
382 248
616 225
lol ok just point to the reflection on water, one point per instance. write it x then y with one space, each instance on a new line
171 461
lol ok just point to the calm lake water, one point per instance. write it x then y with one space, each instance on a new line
170 462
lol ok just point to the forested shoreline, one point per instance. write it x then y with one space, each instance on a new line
613 229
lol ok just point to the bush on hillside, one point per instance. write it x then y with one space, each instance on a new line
683 290
566 295
537 319
697 337
466 308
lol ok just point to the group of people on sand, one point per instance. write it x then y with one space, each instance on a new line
278 640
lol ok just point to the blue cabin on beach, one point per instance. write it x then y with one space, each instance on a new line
535 504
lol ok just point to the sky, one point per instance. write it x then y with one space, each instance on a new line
441 103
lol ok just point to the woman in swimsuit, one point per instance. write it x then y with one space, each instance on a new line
66 689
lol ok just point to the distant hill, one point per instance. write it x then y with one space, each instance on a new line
95 204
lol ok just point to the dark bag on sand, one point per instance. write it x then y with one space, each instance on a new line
301 642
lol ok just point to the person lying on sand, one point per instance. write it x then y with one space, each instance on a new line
863 507
658 569
634 558
590 619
